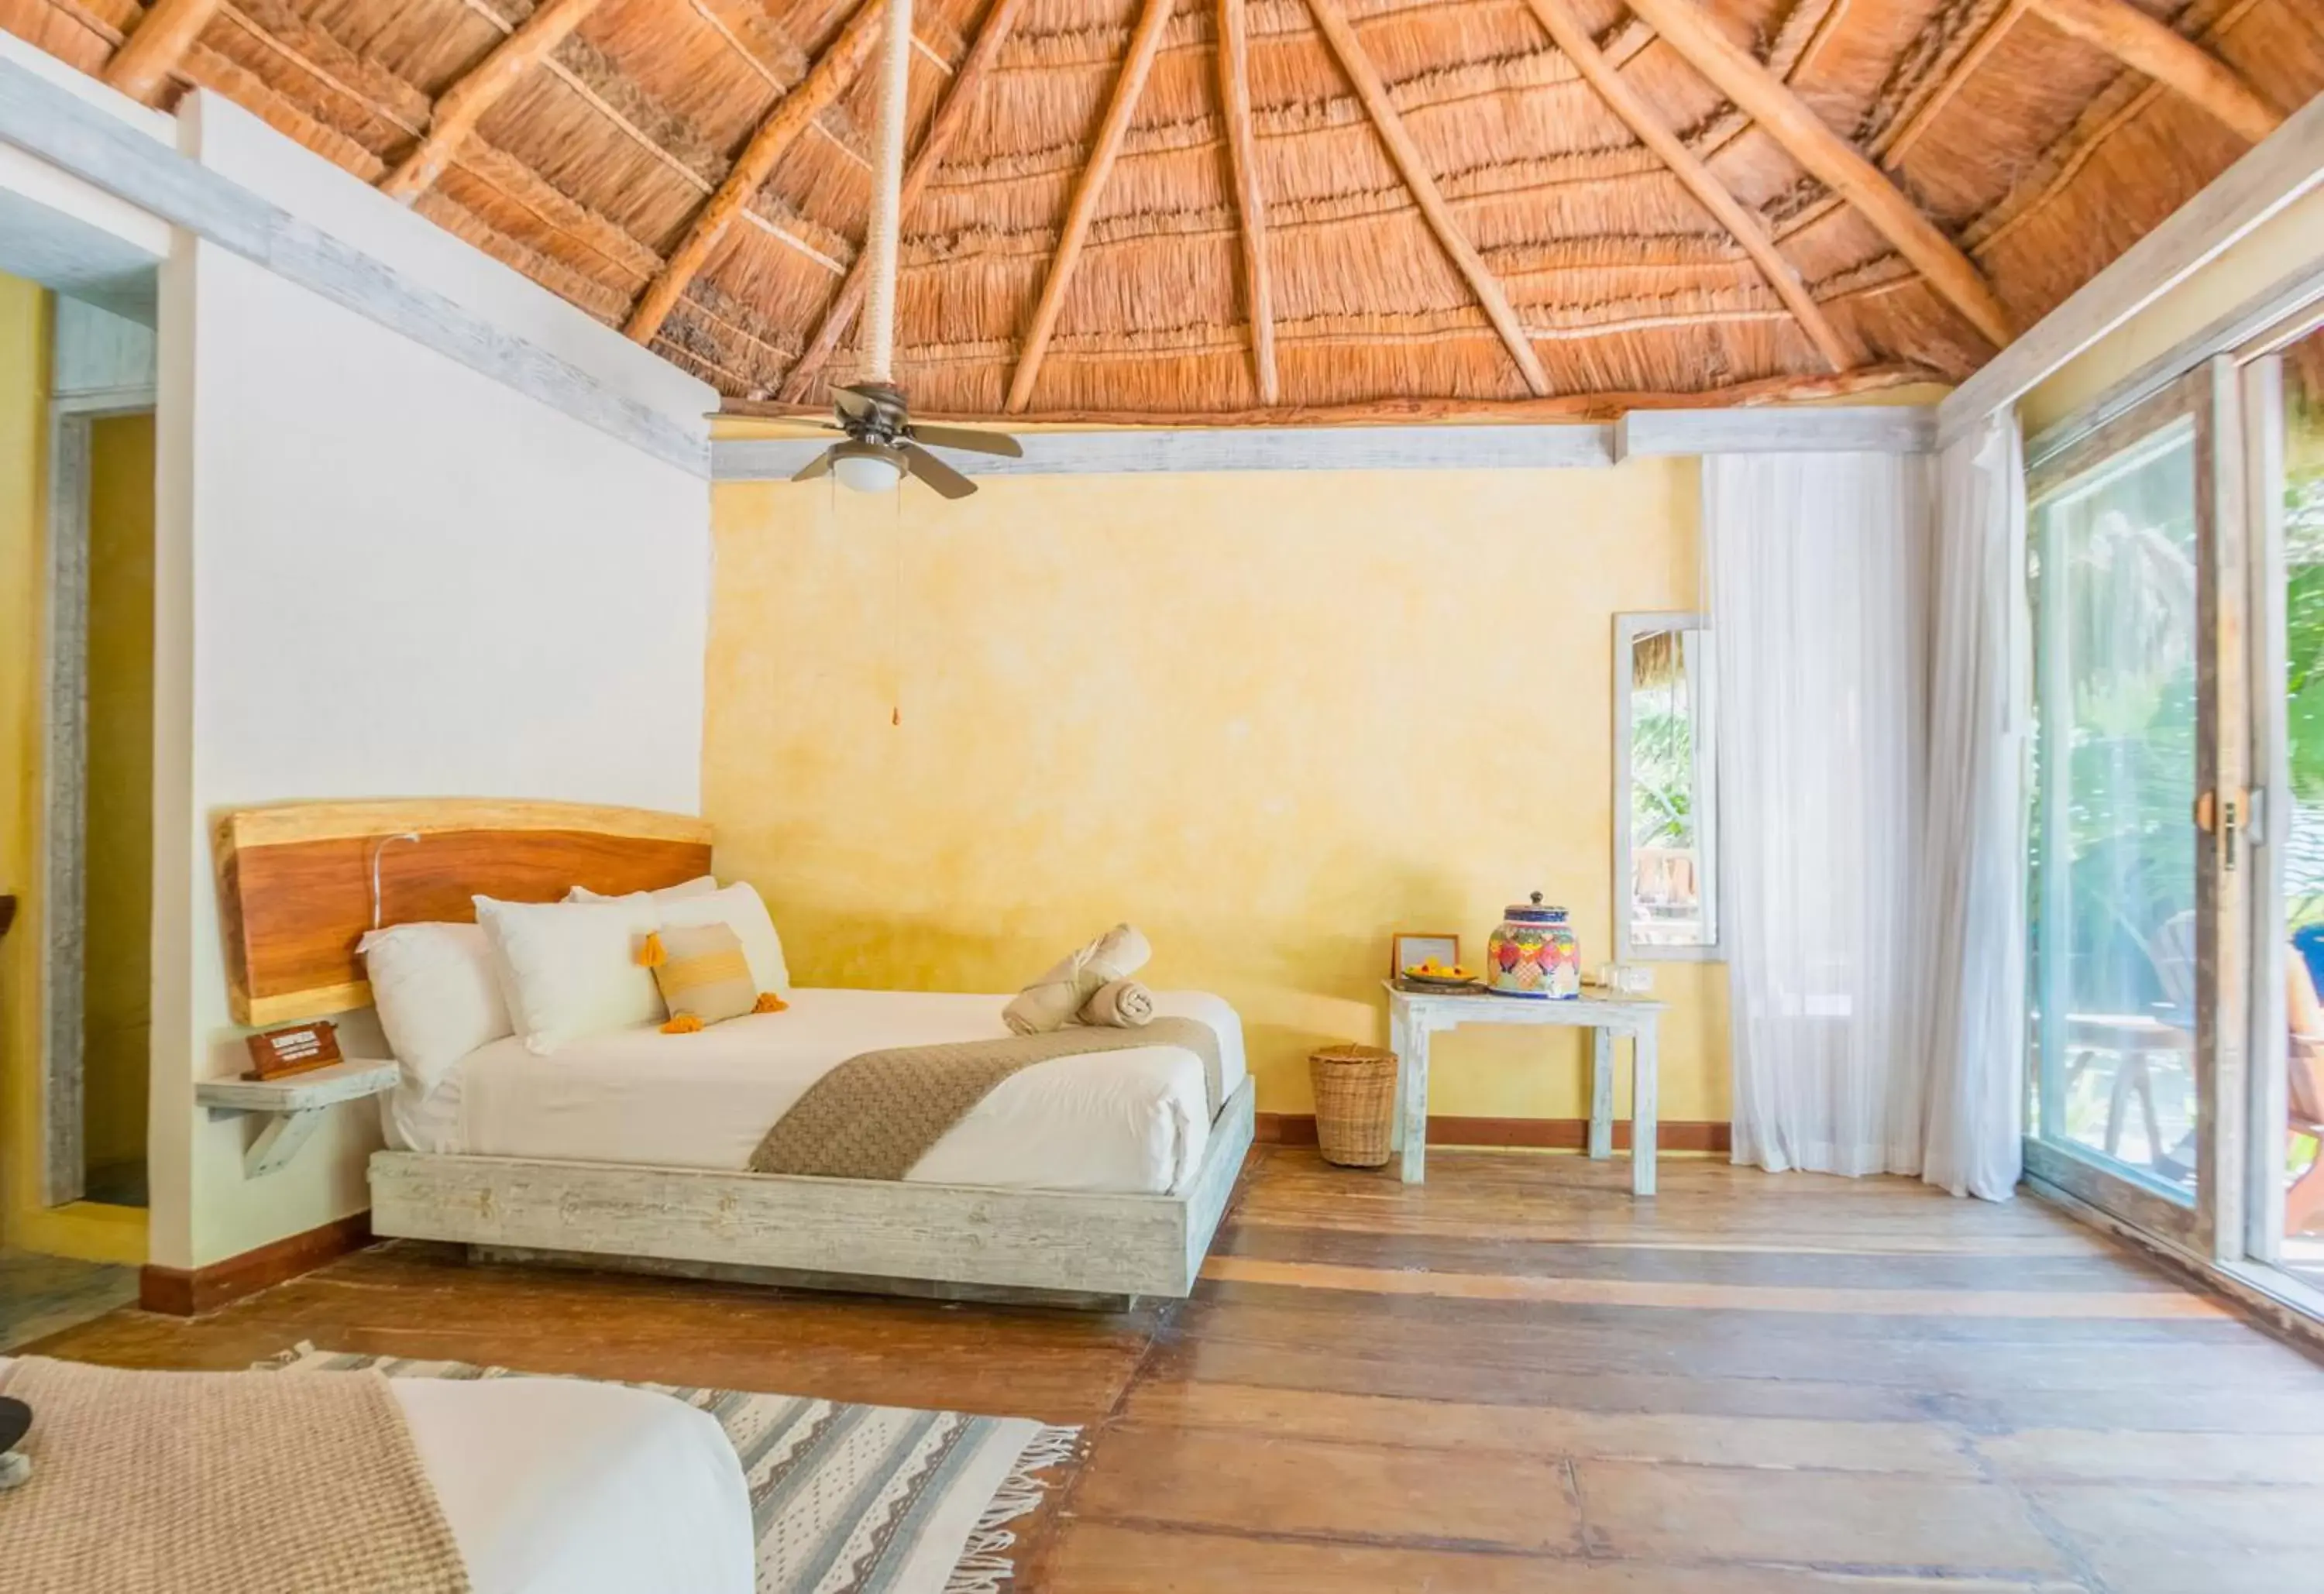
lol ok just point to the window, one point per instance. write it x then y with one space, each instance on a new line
1665 817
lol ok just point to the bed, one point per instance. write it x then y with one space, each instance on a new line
1082 1180
554 1486
1132 1122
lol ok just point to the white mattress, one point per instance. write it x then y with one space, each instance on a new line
555 1487
1132 1121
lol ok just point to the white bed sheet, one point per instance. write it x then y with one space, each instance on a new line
552 1486
1133 1121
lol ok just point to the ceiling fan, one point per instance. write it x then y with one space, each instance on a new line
883 444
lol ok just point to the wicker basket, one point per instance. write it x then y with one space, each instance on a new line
1355 1102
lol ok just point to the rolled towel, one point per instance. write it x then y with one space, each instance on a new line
1051 1001
1124 1004
1119 954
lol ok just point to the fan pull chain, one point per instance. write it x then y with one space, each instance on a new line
896 614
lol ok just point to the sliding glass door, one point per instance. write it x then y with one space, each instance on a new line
2284 406
2133 847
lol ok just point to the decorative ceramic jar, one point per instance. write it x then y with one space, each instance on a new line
1534 953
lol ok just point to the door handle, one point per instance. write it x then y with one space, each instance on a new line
2222 815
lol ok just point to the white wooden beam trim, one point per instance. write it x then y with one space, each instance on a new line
1191 451
1864 429
2303 289
1572 445
2276 172
52 125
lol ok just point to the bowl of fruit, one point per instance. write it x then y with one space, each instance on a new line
1435 975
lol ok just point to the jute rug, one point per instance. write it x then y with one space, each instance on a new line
846 1500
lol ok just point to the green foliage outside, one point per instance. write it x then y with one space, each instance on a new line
1662 770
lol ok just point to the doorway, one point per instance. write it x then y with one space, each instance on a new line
2123 548
2283 394
2176 573
117 817
97 768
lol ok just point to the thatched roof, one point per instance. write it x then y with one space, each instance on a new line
1438 208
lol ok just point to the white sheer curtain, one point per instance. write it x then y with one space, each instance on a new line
1818 568
1973 856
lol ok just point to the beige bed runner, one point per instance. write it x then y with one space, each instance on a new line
877 1114
219 1483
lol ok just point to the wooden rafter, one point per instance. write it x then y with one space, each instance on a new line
1748 229
1250 205
461 106
156 45
1127 88
1832 160
951 117
1373 92
1947 79
2146 46
826 81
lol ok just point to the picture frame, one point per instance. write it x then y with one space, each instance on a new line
1407 947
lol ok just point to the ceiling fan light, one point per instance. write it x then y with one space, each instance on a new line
869 471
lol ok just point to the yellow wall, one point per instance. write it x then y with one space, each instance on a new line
1269 716
106 1233
116 984
24 382
2292 240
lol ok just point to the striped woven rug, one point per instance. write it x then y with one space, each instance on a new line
846 1500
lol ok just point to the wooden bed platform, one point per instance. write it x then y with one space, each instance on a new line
955 1240
295 889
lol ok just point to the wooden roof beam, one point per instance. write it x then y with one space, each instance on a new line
826 81
1234 102
1570 36
1832 160
2171 58
461 106
1966 51
156 45
1373 92
1131 82
951 117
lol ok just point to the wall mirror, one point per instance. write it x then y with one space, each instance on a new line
1665 808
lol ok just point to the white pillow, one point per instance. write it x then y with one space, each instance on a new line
570 969
437 993
738 905
701 885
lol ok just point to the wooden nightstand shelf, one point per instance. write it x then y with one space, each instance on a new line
292 1106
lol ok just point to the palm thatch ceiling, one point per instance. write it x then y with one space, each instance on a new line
1152 209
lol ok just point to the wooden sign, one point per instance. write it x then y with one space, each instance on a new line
299 1049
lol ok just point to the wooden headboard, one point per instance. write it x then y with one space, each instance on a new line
294 881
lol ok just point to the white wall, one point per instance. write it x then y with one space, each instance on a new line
384 574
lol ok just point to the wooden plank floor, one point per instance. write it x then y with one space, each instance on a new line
1514 1377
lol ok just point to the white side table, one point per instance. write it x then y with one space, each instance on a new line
1413 1016
292 1106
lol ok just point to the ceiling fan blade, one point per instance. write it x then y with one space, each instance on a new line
961 436
852 402
935 472
820 466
